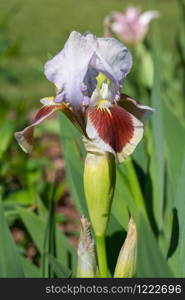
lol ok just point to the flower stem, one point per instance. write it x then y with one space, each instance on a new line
102 258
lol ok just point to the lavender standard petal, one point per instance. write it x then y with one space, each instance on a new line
68 68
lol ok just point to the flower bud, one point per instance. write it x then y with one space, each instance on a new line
87 263
126 263
146 65
99 183
131 26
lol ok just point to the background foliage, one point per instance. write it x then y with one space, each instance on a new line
37 235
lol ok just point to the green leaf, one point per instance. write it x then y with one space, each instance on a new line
10 264
131 198
120 200
42 210
6 131
174 151
115 236
65 252
71 145
22 197
134 187
140 155
175 147
176 254
36 227
150 261
59 269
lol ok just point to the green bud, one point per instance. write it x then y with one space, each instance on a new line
126 263
87 263
99 183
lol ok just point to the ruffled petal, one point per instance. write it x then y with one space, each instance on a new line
69 67
115 130
113 59
141 112
25 137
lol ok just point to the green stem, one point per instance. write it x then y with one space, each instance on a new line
102 258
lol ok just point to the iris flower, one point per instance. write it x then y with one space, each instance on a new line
88 74
131 26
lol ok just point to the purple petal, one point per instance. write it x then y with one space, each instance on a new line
78 64
111 58
114 58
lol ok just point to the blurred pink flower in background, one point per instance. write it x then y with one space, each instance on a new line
131 26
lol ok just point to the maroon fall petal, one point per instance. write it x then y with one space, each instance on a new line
116 130
25 137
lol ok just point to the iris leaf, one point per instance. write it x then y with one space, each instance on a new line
157 142
10 263
150 261
71 146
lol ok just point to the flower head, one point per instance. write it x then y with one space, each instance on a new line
131 26
88 74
